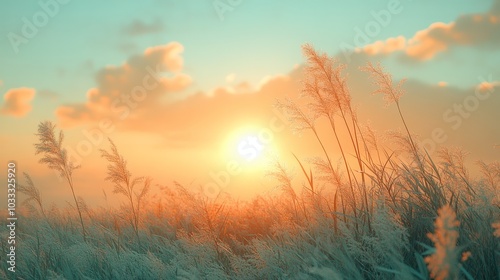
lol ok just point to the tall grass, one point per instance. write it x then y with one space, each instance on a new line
124 184
368 207
32 194
444 263
56 158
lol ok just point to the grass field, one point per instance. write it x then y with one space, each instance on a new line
385 209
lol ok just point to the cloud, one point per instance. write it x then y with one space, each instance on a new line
168 55
124 91
384 47
199 120
270 80
442 84
196 119
138 27
481 30
462 113
205 118
17 102
488 86
243 87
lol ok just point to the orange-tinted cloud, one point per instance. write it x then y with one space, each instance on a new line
190 120
200 119
482 30
17 102
143 81
442 84
426 43
463 113
384 47
204 119
488 86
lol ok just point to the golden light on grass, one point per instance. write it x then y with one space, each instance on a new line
360 209
443 264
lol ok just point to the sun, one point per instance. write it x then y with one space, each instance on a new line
250 144
250 147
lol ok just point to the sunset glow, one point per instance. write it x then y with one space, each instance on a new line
232 139
250 147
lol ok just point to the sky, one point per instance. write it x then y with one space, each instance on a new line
185 89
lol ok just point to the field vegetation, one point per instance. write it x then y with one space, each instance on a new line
383 209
